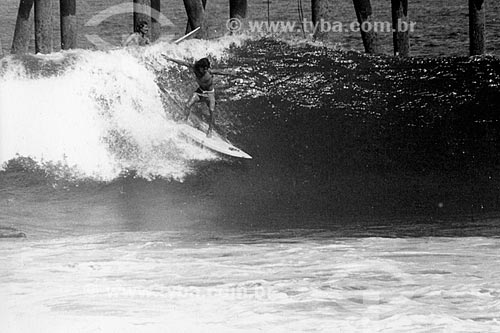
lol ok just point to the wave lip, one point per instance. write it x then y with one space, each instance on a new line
98 112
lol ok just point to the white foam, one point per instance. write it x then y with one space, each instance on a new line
100 112
113 281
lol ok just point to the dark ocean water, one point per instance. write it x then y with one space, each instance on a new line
441 26
335 136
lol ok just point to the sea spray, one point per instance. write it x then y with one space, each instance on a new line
99 112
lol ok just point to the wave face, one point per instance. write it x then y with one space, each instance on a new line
98 113
332 133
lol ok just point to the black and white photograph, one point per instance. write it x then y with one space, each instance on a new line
249 166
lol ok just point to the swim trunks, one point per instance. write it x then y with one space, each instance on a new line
204 93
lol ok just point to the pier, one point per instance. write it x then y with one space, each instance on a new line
40 14
364 14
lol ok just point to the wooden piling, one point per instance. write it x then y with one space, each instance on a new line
43 26
140 13
22 34
319 10
68 24
401 27
364 14
238 12
238 9
476 27
189 28
155 30
195 10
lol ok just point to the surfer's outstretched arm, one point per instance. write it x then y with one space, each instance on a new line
177 61
222 72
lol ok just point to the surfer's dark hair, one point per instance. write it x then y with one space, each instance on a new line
140 25
202 63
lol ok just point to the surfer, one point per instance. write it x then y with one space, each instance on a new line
138 38
205 92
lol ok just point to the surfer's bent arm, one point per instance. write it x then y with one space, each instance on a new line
177 61
133 39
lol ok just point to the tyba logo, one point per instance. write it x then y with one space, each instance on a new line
124 8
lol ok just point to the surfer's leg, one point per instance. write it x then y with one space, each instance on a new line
195 98
211 109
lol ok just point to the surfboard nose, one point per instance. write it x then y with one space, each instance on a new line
215 142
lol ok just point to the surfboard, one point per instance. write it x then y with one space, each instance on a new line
186 36
216 142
